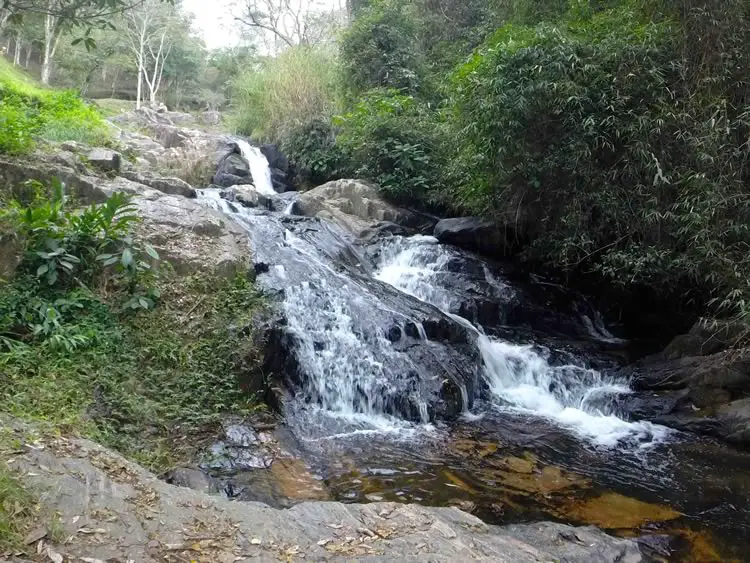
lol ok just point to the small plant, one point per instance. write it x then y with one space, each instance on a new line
65 250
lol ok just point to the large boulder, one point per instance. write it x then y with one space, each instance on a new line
354 205
190 236
232 170
706 337
704 394
474 233
247 196
111 509
105 160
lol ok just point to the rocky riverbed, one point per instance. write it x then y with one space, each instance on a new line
352 329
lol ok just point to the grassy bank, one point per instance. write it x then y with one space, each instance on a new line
29 112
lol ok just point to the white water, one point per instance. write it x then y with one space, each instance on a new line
519 377
259 168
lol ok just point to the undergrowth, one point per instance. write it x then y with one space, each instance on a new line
109 349
16 511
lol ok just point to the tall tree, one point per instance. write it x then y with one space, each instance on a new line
148 30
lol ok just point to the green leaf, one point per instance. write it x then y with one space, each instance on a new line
127 258
43 269
151 251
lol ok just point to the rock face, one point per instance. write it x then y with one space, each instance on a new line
233 170
171 186
191 237
134 516
187 235
705 394
105 160
354 205
473 233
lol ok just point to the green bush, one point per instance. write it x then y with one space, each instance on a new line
381 50
387 139
312 148
618 164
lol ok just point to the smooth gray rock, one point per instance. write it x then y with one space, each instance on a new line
167 185
354 205
105 160
135 516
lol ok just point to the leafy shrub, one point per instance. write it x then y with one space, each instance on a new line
619 166
380 49
65 248
386 139
312 148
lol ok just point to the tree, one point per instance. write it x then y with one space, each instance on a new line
148 30
285 23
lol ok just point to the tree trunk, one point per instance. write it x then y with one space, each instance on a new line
28 56
50 43
17 52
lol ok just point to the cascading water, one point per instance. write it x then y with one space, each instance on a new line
259 169
518 376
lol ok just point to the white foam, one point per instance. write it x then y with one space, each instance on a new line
259 168
520 377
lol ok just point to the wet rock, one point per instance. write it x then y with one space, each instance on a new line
105 160
383 230
241 435
247 196
473 233
734 419
192 479
232 170
354 205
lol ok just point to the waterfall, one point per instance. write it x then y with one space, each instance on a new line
259 168
519 377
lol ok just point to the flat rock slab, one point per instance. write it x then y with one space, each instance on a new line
114 510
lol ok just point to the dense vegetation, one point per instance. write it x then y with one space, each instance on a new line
609 138
96 337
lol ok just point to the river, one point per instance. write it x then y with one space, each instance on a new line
418 372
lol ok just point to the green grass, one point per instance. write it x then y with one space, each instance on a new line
16 511
30 112
111 106
151 384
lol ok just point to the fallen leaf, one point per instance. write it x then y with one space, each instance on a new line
324 542
91 560
54 556
335 526
255 541
35 535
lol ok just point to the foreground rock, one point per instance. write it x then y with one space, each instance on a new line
353 205
113 510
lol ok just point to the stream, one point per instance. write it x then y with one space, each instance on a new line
418 372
